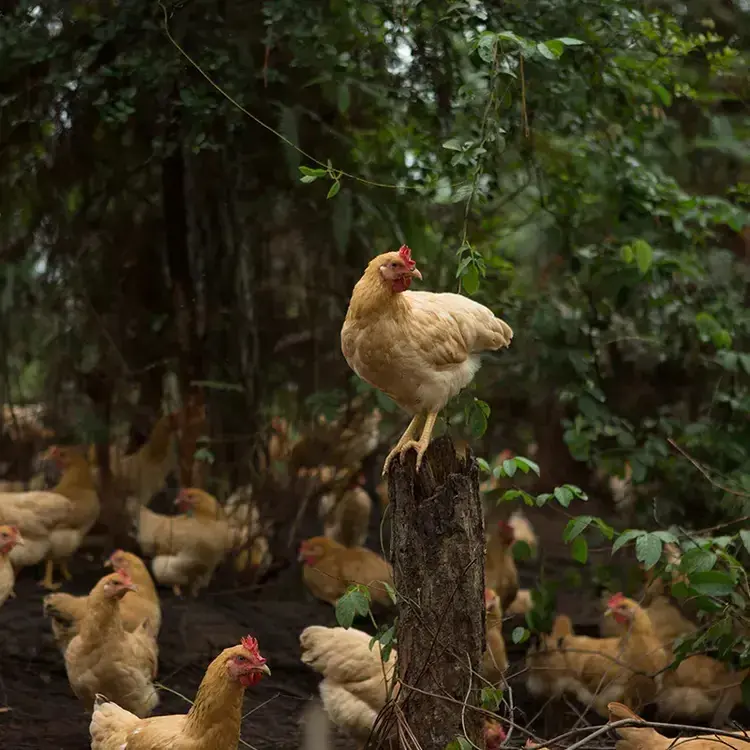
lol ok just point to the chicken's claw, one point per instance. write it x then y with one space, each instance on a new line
418 446
47 581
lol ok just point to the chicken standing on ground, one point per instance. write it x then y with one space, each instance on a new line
500 572
213 722
346 514
645 738
186 549
10 536
66 611
105 658
330 568
420 348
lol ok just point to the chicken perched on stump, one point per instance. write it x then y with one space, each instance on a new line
420 348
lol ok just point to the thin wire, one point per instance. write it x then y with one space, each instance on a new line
333 172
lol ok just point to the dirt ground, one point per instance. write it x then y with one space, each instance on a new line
43 713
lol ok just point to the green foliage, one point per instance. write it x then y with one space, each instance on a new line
355 602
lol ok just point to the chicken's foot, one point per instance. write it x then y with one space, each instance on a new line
423 443
67 575
409 433
47 581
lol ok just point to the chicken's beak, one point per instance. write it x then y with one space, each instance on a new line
265 669
608 613
132 587
416 272
108 563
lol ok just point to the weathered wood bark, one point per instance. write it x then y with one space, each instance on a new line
437 551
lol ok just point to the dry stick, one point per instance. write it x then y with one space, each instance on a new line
716 484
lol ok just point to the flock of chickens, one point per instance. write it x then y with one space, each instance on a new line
108 638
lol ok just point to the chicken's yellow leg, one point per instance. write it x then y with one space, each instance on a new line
67 575
47 581
409 433
424 441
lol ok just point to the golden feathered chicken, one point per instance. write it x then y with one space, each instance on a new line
495 658
105 658
645 738
53 523
330 568
346 513
500 572
66 611
597 670
213 722
420 348
10 537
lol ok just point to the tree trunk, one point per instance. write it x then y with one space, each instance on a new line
437 548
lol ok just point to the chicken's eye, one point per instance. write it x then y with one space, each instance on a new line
241 658
394 265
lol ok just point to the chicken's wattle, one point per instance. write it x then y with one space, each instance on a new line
401 284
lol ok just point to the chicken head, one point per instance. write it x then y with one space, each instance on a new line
117 584
494 734
398 269
198 502
506 533
491 601
312 550
10 536
245 663
620 608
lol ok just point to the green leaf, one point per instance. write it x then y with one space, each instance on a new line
626 253
453 145
491 698
345 611
663 94
470 280
545 51
308 178
648 550
712 583
555 46
477 422
745 536
313 172
563 496
644 255
356 601
334 189
570 41
542 499
390 591
483 466
697 560
521 551
666 536
342 96
579 550
509 467
460 743
520 635
625 537
575 527
526 464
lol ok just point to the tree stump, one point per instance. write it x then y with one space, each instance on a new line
437 552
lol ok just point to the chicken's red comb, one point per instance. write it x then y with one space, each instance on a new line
405 253
616 600
505 528
250 645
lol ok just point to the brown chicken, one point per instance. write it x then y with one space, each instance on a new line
186 549
329 568
495 658
213 722
346 514
700 688
66 611
10 536
522 604
645 738
142 474
500 572
420 348
596 670
105 658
